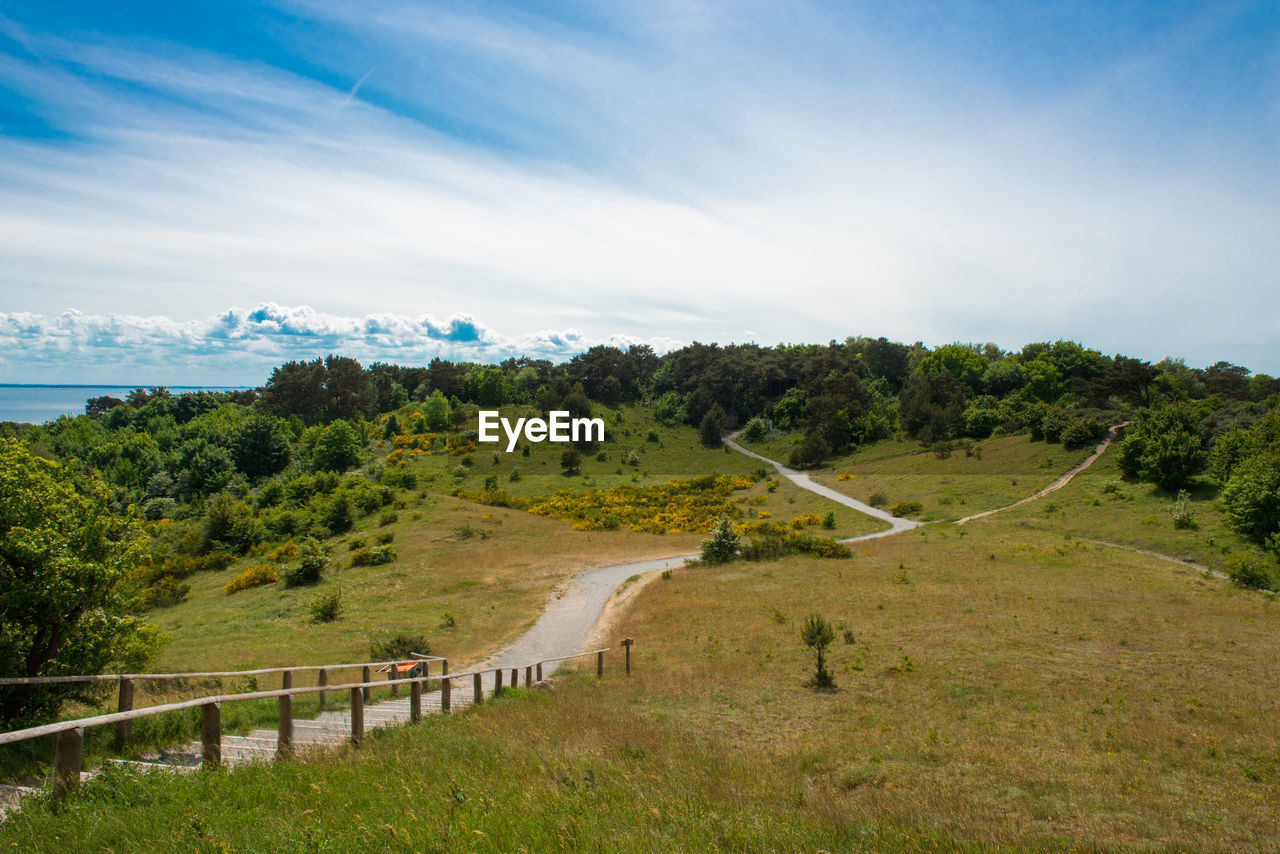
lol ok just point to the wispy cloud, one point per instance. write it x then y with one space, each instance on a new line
672 171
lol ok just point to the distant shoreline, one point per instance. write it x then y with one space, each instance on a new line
130 386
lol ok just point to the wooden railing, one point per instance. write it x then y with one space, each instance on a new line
69 735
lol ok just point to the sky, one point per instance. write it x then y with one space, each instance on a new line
195 192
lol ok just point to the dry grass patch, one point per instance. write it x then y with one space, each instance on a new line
1002 686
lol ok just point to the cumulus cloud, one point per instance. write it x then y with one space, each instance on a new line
240 346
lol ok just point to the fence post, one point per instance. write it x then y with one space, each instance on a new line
626 645
211 735
497 682
68 753
284 727
286 680
357 715
415 701
446 695
124 729
322 679
539 671
477 683
528 676
366 676
600 664
515 677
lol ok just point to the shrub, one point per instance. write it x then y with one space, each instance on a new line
312 562
389 518
829 520
375 556
326 607
1183 516
514 477
280 553
398 646
817 634
255 576
878 499
571 461
757 428
386 537
1083 432
722 546
906 508
357 543
1245 572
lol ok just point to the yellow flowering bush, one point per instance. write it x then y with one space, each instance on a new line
255 576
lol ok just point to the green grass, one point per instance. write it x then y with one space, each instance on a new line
1001 684
995 473
1100 504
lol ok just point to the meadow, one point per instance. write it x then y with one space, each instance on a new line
1002 685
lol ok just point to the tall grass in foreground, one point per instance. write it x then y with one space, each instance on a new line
531 772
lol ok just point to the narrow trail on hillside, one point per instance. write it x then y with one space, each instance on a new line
1060 482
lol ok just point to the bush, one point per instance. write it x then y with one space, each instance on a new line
878 499
1252 575
388 518
398 647
1183 516
571 461
722 546
375 556
906 508
312 562
817 634
757 428
386 537
829 520
255 576
1083 432
326 607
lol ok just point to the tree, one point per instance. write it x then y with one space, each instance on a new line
1164 447
712 427
337 449
1251 497
435 409
62 556
571 460
932 405
260 447
817 634
723 544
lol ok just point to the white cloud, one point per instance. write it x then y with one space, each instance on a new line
241 346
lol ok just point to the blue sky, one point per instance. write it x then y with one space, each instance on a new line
194 192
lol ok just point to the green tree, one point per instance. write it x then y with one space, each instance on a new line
337 449
260 447
723 544
436 410
571 460
1251 497
960 360
62 556
817 634
712 427
1164 447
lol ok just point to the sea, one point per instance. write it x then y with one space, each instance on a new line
36 404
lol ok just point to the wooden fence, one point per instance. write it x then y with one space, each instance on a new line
69 735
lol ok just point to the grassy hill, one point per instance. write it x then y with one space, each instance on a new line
1000 684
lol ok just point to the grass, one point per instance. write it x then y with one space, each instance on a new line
1001 684
1099 504
1017 689
999 472
502 780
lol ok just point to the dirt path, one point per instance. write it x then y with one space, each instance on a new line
1060 482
